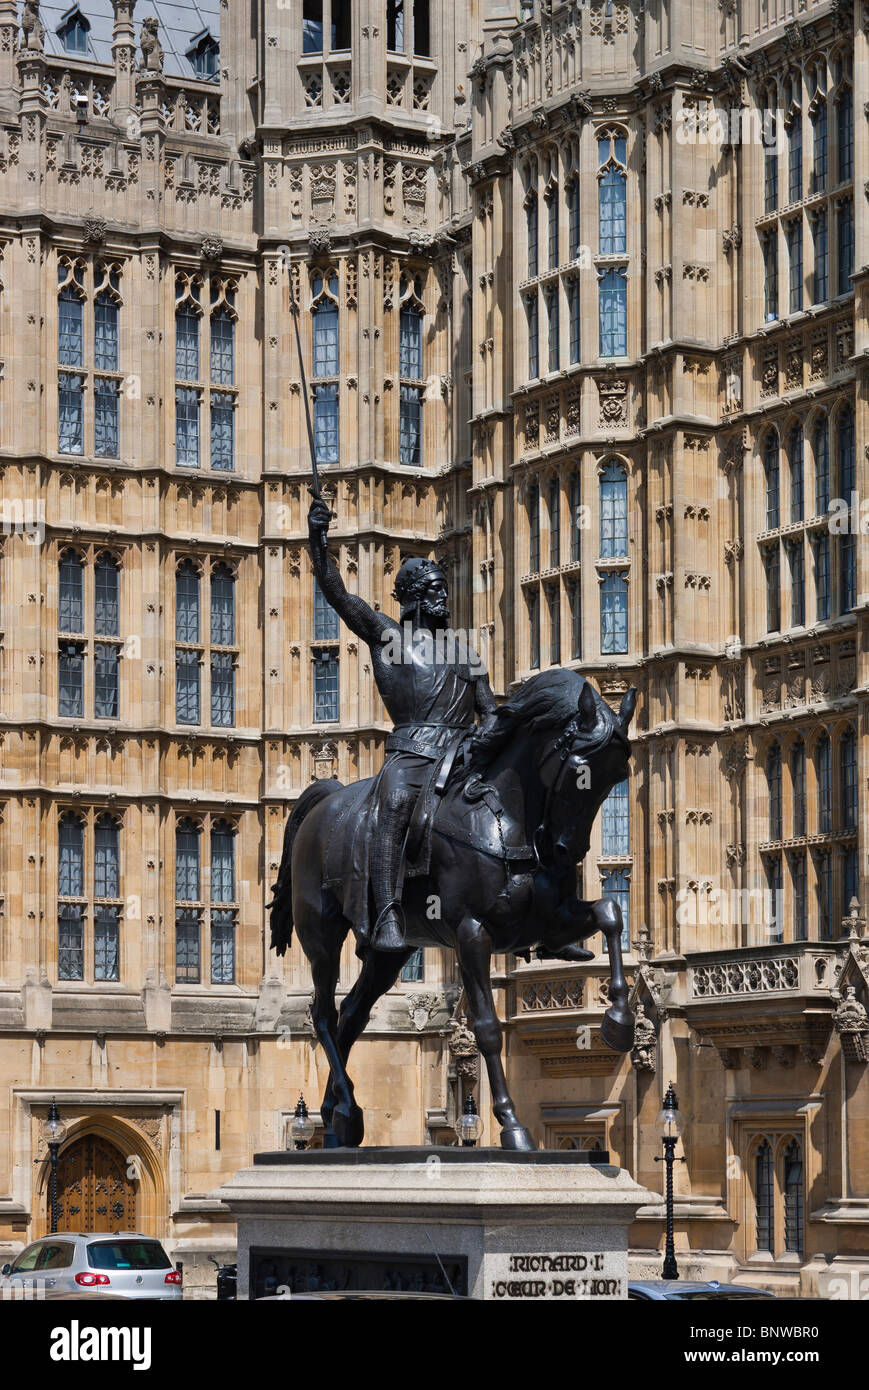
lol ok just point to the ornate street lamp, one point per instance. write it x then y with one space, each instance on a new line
669 1124
54 1133
469 1126
301 1128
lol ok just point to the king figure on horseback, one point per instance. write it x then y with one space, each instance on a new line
433 685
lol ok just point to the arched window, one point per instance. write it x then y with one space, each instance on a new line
187 315
107 864
821 238
793 1196
799 896
844 245
575 515
531 314
794 127
572 192
552 223
845 134
324 310
771 474
534 528
846 471
612 193
325 617
222 606
222 862
795 456
613 510
845 457
70 884
773 785
818 114
106 316
770 145
613 313
615 823
821 451
73 33
554 523
107 593
186 603
769 248
188 894
614 614
410 373
531 222
70 607
617 885
71 857
764 1196
532 599
848 780
204 58
187 862
823 768
798 785
554 327
223 317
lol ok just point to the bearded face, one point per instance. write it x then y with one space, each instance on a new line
426 593
434 597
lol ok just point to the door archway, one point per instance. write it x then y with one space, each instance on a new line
95 1189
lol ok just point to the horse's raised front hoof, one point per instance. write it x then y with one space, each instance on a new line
617 1033
519 1139
349 1126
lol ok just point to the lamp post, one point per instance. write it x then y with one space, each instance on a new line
301 1129
54 1133
669 1124
469 1126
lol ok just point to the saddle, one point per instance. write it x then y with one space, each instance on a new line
417 845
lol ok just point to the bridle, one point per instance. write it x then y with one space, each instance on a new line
568 748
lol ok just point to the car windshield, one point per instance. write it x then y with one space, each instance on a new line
128 1254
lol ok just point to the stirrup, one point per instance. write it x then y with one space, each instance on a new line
388 933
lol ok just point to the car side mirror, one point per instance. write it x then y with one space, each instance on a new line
7 1269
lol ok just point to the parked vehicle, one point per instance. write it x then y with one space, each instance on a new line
227 1281
125 1263
662 1290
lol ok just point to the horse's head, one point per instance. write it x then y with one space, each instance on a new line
583 763
564 735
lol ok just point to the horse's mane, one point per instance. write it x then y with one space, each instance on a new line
546 701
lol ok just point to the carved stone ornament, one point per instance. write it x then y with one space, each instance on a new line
149 42
211 248
464 1053
644 1053
852 1024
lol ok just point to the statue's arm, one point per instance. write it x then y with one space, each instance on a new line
484 701
360 617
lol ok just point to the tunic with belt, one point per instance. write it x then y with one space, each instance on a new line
432 706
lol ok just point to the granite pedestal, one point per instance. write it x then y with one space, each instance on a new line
481 1222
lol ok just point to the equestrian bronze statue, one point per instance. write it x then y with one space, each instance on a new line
468 837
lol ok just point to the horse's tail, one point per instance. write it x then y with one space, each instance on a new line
281 906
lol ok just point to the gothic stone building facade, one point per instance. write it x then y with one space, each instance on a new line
582 291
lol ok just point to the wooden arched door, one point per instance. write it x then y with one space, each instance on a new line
94 1191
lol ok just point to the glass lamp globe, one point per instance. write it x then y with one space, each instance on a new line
53 1129
301 1128
669 1122
469 1126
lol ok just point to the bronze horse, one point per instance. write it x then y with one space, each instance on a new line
511 827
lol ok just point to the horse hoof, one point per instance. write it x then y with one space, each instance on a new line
617 1033
349 1127
519 1139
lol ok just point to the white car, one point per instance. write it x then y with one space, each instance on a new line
125 1264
